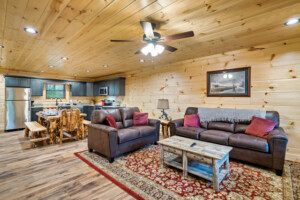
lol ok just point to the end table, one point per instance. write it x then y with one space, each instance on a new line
165 128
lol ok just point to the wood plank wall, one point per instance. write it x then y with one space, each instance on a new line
2 103
275 85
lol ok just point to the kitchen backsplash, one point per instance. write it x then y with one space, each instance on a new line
85 100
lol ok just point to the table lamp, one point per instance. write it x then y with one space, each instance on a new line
163 104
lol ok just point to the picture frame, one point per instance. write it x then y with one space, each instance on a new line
229 82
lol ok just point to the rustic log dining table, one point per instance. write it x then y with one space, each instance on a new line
53 124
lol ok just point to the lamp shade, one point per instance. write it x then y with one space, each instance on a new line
163 104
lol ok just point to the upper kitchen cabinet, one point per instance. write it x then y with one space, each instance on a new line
89 89
116 87
78 88
37 86
119 89
11 81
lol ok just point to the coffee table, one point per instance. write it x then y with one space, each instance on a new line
204 159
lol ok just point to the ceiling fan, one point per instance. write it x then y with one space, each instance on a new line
154 40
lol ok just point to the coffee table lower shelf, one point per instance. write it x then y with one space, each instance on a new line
196 168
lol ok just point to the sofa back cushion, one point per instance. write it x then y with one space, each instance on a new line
241 127
193 111
223 126
99 116
127 115
273 116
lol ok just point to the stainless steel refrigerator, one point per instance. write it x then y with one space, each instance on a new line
18 107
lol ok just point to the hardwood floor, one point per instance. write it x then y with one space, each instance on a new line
49 172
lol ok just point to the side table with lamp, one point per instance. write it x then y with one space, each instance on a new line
165 120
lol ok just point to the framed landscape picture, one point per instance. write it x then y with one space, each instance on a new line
229 83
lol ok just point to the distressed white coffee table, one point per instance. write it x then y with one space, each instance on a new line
204 159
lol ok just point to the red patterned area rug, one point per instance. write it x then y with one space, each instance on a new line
140 175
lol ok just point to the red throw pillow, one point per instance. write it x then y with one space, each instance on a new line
140 119
260 127
192 121
111 121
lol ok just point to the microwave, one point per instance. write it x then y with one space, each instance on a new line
103 91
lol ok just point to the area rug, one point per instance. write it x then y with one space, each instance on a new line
140 175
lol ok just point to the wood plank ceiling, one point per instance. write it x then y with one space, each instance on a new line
81 31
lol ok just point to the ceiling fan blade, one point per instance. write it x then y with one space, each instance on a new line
125 40
169 48
138 52
148 29
178 36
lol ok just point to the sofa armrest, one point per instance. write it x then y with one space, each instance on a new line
278 140
175 124
155 123
103 139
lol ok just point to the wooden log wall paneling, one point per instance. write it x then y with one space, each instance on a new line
275 85
2 103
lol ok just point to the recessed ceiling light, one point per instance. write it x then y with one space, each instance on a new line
105 66
142 60
292 21
50 66
30 30
64 58
42 71
87 70
1 46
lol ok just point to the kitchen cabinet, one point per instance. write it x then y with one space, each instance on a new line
116 86
12 81
111 87
37 86
78 88
119 89
89 89
88 110
34 110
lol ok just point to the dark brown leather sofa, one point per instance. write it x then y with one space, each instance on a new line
111 142
268 152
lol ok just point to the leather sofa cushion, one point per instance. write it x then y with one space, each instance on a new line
127 134
144 130
223 126
215 136
240 128
190 132
98 117
249 142
127 115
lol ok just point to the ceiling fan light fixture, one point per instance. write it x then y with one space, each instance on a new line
30 30
154 53
159 48
292 21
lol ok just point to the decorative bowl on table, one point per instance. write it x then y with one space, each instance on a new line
50 112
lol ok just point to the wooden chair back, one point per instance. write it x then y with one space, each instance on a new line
69 121
45 108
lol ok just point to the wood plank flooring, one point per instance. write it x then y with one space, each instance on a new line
50 172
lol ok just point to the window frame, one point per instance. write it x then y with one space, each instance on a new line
67 92
64 90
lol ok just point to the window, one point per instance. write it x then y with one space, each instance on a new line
54 91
